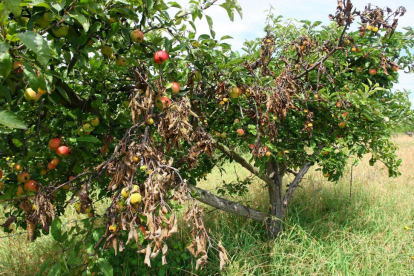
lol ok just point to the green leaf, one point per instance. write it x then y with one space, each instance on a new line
150 3
105 267
226 37
11 120
82 20
55 270
13 6
31 76
56 229
5 60
174 4
37 44
209 21
88 139
63 93
238 8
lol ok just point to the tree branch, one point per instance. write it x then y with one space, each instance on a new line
236 157
295 183
227 205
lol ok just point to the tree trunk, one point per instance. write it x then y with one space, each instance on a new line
276 210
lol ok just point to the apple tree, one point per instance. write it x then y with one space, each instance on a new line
121 102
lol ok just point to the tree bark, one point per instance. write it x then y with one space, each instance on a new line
227 205
277 214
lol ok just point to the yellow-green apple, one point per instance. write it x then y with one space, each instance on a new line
60 32
106 50
342 125
95 122
121 61
235 92
31 95
137 36
175 87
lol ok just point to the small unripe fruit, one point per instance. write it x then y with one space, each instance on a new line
112 228
43 172
150 121
18 168
235 92
60 32
121 62
375 29
95 122
106 50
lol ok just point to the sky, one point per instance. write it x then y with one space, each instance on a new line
254 15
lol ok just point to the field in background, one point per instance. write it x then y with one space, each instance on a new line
326 232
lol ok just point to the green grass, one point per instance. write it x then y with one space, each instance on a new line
326 231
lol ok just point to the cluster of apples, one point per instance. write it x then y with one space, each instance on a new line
29 185
61 151
88 127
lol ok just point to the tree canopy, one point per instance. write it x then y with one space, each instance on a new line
122 101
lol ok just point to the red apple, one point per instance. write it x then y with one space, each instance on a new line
50 166
251 146
162 102
23 177
54 144
63 151
55 161
240 132
268 153
160 56
342 125
71 177
137 36
395 68
30 186
19 191
372 71
175 88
